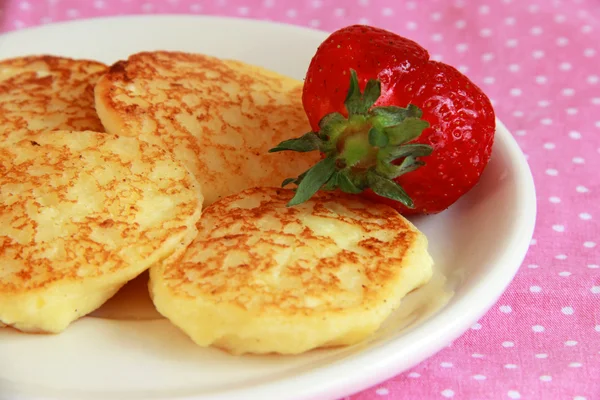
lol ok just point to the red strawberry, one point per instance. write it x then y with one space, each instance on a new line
391 123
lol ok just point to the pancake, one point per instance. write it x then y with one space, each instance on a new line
81 214
265 278
47 93
218 117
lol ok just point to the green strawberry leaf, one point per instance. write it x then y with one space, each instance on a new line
357 102
307 142
377 138
385 187
390 154
407 130
314 179
346 185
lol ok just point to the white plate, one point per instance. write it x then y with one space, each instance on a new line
478 245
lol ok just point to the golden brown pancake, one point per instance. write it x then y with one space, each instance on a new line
47 93
219 117
81 214
262 277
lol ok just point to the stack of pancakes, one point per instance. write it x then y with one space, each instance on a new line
160 163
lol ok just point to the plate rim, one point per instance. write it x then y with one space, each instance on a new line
332 380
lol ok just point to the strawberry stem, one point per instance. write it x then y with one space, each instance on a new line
361 151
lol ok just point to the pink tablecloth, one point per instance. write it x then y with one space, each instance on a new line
539 61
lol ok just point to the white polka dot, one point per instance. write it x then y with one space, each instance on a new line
414 375
437 57
562 41
510 20
597 328
515 92
533 242
510 366
571 343
446 365
464 69
25 6
518 113
561 256
387 12
541 355
447 393
508 344
437 37
520 132
578 160
551 172
559 18
575 364
572 111
582 189
586 29
99 4
593 266
479 377
486 32
319 3
505 309
315 23
546 121
579 398
536 30
195 8
574 135
543 103
514 67
567 310
246 10
488 80
74 13
364 21
533 266
535 289
291 13
487 57
436 16
411 25
476 326
564 274
411 5
595 289
597 124
477 355
484 9
339 12
382 391
549 146
565 66
589 245
541 79
537 54
538 328
462 47
568 92
545 378
593 79
45 20
589 52
513 394
460 24
534 8
18 24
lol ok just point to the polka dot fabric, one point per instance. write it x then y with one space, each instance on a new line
538 62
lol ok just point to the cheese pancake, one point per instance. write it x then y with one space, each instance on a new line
219 117
265 278
82 213
41 93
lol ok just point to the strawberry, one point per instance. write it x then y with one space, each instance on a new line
390 123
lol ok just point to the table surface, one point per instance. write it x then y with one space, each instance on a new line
538 61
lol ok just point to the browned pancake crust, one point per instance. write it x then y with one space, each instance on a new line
46 92
219 117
